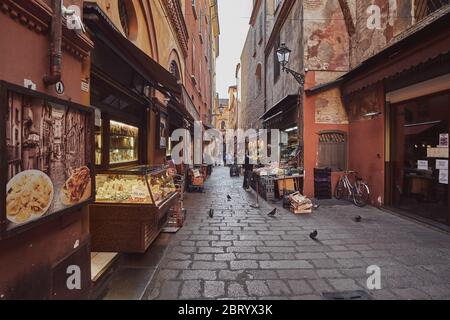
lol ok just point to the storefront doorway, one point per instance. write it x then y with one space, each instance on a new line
419 149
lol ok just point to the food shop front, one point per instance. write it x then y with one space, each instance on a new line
134 190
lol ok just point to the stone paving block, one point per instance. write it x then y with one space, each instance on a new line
252 256
198 275
344 284
233 275
241 249
278 287
282 256
343 254
210 250
276 249
208 265
311 255
203 257
257 288
300 287
325 263
243 264
297 274
320 285
214 289
236 290
225 257
191 290
285 264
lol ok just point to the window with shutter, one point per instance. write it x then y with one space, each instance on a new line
333 150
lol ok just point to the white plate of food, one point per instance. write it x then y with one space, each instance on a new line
78 187
29 195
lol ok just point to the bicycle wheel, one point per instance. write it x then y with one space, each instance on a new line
361 194
340 191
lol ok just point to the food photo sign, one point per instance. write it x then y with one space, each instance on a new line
48 156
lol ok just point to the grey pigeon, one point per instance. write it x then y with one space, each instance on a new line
272 213
211 213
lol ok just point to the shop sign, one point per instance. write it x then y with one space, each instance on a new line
59 88
437 152
48 157
85 85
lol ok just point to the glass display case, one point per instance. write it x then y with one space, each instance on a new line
123 144
136 185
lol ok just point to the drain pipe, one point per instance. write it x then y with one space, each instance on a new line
55 45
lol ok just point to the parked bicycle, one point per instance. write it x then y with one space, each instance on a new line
352 187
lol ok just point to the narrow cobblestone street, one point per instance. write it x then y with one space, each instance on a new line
243 253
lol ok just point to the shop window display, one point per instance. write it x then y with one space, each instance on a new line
123 143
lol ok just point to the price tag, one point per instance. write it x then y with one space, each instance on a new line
139 193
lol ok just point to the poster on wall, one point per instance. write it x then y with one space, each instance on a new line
441 164
443 140
443 176
163 132
48 158
422 165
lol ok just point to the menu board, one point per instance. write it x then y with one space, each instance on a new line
48 158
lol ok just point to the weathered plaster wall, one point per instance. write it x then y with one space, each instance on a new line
395 17
252 104
325 37
291 33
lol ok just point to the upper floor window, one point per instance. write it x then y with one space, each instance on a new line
333 150
276 63
258 76
175 70
128 20
423 8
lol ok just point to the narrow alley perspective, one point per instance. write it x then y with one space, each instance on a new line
242 253
190 155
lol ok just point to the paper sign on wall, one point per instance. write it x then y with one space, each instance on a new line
443 176
442 164
422 165
437 152
443 140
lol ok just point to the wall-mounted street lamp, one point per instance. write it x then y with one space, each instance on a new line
283 54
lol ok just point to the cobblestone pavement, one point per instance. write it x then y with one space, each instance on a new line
241 253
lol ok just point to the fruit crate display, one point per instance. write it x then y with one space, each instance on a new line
322 183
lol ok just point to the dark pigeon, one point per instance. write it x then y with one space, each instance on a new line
313 235
272 213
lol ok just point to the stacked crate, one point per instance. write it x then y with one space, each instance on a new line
268 186
322 183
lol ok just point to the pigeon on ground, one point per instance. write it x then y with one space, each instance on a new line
272 213
358 219
211 213
313 235
228 197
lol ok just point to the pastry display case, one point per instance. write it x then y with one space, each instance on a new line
131 208
137 185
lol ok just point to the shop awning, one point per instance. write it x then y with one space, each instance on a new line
415 129
280 107
104 29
